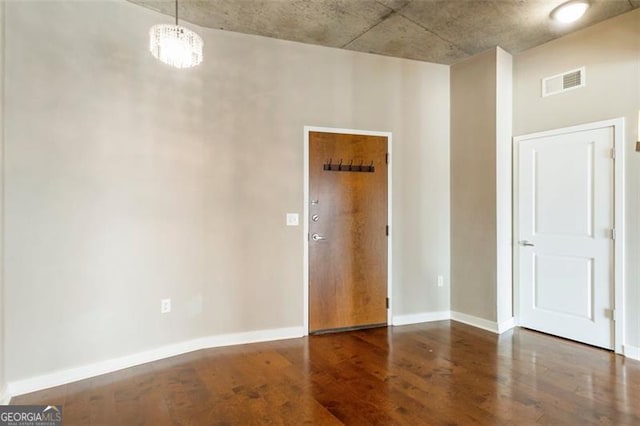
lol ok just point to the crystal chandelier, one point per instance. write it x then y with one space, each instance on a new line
175 45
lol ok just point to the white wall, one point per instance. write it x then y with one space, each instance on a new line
473 186
611 53
2 300
128 181
481 106
104 188
255 121
504 179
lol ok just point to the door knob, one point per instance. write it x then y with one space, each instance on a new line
317 237
526 243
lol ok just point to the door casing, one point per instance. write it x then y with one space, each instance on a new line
305 214
618 194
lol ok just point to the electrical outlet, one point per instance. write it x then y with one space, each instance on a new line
165 306
440 281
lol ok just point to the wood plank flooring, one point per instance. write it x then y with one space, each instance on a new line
440 373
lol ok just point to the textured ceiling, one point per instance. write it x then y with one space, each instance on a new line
441 31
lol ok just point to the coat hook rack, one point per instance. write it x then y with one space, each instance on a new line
330 166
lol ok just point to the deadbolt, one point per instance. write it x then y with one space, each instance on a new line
315 218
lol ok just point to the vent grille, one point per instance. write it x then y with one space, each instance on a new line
560 83
572 79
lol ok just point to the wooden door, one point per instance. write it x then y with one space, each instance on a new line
565 222
347 231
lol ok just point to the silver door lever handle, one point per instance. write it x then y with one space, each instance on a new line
527 243
317 237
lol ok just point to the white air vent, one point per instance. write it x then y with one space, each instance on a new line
559 83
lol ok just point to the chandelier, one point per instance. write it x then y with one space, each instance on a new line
175 45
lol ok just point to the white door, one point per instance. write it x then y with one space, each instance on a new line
566 219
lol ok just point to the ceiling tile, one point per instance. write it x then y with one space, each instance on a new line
394 4
476 26
397 36
442 31
329 23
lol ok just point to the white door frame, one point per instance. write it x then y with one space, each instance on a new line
305 214
618 196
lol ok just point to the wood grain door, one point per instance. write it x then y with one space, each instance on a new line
347 231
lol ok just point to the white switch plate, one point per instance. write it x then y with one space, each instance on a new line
165 306
440 281
292 219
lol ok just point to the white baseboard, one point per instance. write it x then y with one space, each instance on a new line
62 377
506 325
632 352
421 317
482 323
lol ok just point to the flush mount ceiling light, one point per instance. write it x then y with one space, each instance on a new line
175 45
570 11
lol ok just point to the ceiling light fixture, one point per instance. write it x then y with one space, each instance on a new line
175 45
570 11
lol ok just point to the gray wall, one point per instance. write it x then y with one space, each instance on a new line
128 181
2 300
473 186
611 53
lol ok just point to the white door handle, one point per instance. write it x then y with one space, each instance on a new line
317 237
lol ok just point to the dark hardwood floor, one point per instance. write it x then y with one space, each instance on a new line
436 373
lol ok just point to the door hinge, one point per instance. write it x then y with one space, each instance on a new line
386 158
386 230
613 233
613 153
612 314
387 302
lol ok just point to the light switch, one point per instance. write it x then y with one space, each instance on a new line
292 219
